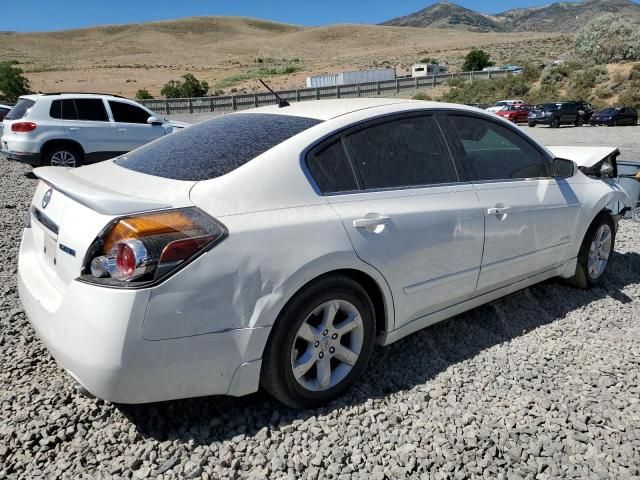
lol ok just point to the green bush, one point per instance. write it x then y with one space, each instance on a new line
12 82
486 91
630 97
608 38
428 60
476 60
189 88
422 96
143 94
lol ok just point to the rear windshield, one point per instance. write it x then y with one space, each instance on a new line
551 106
215 147
610 110
20 110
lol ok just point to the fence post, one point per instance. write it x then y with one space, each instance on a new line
397 86
234 105
297 95
317 93
434 81
338 91
358 90
190 106
255 99
211 106
417 83
378 87
489 74
166 107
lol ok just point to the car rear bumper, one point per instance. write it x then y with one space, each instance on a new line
20 151
34 159
95 334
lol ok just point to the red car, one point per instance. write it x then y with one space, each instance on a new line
516 113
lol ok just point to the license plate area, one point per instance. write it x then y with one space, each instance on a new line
50 250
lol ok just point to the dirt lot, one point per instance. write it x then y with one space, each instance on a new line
542 384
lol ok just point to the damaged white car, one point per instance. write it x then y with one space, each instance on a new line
275 247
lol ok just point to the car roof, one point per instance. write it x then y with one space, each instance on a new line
329 109
36 96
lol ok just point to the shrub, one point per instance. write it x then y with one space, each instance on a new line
143 94
608 38
422 96
428 60
12 82
476 60
630 97
190 87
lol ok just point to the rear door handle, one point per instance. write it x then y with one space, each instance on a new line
74 129
122 130
370 222
498 210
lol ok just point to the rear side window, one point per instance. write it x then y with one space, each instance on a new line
402 153
20 110
494 152
63 110
331 169
127 113
215 147
91 109
3 113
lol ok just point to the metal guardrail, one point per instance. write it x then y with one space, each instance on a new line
246 101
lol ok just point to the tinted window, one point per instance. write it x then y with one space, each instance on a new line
64 110
91 109
331 169
20 110
3 113
401 153
126 113
215 147
495 152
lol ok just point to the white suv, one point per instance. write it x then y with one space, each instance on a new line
502 104
69 129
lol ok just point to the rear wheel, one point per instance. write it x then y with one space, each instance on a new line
595 252
532 124
578 122
63 156
320 344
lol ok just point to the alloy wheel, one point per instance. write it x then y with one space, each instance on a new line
63 158
327 345
599 251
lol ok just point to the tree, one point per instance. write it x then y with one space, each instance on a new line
12 82
190 87
429 60
143 94
608 38
476 60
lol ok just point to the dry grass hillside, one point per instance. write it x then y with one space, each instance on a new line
230 52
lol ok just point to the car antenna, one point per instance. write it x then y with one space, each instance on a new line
281 101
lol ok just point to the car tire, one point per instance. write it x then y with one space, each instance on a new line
555 123
532 124
595 252
578 122
306 333
63 156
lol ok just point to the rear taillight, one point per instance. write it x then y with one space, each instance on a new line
23 127
141 249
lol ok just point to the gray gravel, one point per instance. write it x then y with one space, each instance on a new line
542 384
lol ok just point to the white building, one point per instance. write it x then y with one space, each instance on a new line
427 69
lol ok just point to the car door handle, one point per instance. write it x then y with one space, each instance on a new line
74 129
370 222
498 210
122 130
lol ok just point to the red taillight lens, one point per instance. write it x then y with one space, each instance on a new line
23 127
144 248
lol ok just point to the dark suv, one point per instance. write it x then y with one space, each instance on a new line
555 114
585 110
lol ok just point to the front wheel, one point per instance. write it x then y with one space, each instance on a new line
320 344
578 122
555 123
595 252
532 124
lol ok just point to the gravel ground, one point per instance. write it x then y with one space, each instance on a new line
541 384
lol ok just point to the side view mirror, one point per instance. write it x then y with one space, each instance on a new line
563 168
154 121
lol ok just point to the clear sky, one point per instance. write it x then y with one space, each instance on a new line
39 15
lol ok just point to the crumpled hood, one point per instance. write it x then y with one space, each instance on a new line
584 156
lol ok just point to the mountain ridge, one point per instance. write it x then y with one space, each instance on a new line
558 17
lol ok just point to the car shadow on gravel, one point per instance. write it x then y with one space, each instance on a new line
409 363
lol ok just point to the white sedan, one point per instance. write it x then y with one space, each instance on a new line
274 247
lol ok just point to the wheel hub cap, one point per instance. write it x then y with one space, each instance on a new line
599 251
327 345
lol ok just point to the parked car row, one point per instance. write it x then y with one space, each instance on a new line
556 114
70 129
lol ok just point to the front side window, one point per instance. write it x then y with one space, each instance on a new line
127 113
405 152
495 152
91 109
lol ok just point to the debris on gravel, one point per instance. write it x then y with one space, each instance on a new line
542 384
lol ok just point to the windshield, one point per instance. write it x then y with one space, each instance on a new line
551 106
609 111
20 110
501 104
215 147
